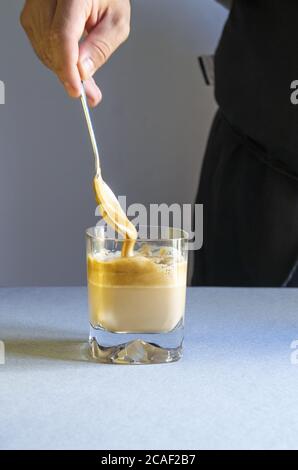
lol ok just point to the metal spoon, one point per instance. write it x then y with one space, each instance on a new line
91 131
110 208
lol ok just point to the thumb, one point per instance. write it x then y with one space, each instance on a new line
100 43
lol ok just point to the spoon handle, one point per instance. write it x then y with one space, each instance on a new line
91 130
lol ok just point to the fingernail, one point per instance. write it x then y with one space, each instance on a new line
88 67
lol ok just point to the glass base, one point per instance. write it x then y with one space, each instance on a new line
136 348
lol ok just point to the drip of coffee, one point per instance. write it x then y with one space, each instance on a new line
114 215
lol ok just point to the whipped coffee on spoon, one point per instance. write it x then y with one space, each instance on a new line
110 208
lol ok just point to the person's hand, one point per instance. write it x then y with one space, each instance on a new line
55 28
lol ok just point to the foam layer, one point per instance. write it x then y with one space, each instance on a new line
137 270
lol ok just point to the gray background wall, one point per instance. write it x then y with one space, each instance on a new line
152 126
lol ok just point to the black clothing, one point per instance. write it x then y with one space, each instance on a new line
250 215
255 64
249 180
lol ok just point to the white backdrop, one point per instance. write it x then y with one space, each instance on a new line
152 127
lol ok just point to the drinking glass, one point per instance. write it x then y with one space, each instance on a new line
137 303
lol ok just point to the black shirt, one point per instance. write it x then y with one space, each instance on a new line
256 62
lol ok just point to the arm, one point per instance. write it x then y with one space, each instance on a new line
55 29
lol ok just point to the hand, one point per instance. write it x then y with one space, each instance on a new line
55 28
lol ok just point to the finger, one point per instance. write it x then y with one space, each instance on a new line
101 42
93 92
67 28
37 24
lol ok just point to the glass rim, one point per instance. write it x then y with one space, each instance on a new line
183 234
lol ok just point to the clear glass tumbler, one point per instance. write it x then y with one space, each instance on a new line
137 303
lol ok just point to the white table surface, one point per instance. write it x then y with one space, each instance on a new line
235 387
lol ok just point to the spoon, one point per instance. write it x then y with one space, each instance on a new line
110 208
